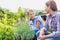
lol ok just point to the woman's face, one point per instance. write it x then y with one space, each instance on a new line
47 9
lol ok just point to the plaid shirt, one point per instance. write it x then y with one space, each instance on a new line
53 23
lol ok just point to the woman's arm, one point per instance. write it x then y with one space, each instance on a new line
42 32
45 28
57 33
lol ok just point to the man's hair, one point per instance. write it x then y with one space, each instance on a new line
29 11
52 5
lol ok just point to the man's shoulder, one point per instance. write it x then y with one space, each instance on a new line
38 16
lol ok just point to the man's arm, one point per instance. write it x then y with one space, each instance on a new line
41 21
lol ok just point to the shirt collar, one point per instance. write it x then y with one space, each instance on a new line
34 18
54 14
31 20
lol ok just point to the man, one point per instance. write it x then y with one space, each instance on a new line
36 22
52 23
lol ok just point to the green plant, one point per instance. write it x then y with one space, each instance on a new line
23 32
6 32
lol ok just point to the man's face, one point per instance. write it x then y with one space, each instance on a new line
31 15
47 9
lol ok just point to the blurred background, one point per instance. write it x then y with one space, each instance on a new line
14 19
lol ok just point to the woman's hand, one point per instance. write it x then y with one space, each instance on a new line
41 37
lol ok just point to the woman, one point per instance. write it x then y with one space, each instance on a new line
52 23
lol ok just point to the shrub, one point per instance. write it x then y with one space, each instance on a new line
6 32
23 32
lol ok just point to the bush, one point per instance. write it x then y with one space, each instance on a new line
6 32
23 32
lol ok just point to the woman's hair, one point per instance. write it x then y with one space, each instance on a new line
52 5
